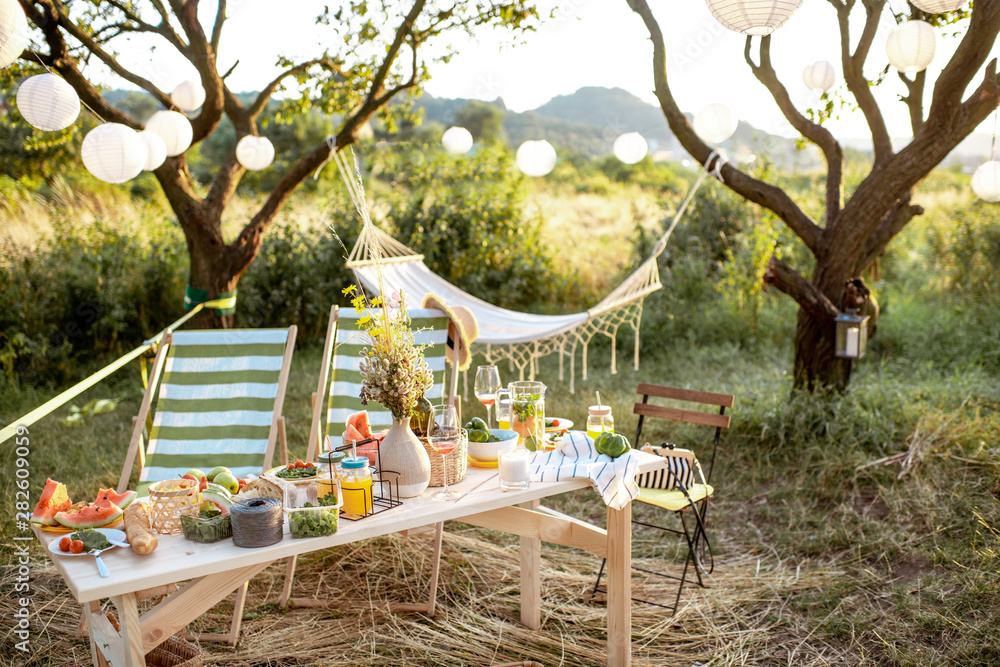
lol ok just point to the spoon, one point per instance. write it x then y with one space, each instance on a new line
101 567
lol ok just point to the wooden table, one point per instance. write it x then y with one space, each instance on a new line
216 570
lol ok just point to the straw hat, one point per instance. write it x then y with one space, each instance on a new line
462 329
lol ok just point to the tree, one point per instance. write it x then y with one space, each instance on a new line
380 55
483 120
856 226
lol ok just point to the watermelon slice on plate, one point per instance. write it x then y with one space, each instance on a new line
54 500
358 427
91 516
120 500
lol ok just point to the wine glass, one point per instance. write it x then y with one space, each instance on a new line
445 445
448 424
487 384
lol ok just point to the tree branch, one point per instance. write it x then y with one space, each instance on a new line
891 224
220 18
914 98
782 276
265 94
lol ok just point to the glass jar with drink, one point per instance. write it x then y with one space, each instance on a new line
599 420
527 413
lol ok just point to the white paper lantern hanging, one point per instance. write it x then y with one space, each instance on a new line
156 150
819 77
173 128
911 46
630 147
753 17
715 123
457 140
255 153
938 6
536 158
188 96
986 181
113 152
13 31
47 102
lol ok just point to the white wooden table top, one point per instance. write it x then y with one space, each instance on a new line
178 559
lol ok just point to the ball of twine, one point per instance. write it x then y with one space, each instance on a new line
257 522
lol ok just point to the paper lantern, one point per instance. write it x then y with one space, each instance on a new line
13 32
156 150
536 158
630 147
48 102
986 181
457 140
255 153
910 46
715 123
819 76
938 6
173 128
188 95
113 152
753 17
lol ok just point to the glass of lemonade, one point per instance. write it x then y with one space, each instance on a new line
503 409
527 412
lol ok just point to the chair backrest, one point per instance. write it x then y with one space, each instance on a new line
719 421
219 400
430 328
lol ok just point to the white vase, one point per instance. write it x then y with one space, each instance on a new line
402 452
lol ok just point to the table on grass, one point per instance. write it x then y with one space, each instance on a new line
213 571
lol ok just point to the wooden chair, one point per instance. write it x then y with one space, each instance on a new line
687 493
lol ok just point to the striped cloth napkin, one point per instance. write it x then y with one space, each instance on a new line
613 479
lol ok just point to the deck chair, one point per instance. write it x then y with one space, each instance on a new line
340 380
219 402
682 487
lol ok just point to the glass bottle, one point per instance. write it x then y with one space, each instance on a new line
422 418
599 420
329 464
356 485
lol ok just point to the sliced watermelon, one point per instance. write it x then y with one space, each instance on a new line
352 435
91 516
122 500
54 499
222 501
359 422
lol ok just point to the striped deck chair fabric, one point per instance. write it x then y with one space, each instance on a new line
218 403
430 327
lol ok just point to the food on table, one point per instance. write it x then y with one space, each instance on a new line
141 538
261 488
357 427
196 474
76 546
298 470
533 444
122 500
221 499
89 540
478 432
202 481
612 444
228 481
90 516
314 520
54 499
64 544
216 471
211 524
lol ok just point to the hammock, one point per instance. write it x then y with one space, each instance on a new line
520 338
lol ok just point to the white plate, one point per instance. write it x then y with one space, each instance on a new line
564 424
110 533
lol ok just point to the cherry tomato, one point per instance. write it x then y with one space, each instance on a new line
290 466
76 546
310 465
64 543
555 423
300 464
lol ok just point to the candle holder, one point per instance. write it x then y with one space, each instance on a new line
852 334
515 469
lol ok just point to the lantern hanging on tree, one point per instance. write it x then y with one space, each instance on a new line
630 147
819 77
13 32
715 123
188 95
536 158
457 140
911 46
113 152
986 181
753 17
156 150
852 334
255 153
938 6
173 128
47 102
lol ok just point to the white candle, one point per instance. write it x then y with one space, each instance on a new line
852 342
515 470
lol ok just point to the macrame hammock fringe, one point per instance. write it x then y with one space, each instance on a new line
382 263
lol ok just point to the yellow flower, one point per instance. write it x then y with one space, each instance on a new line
350 289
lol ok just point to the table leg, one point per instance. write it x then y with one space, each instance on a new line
131 630
620 587
531 572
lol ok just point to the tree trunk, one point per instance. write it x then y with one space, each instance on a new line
210 271
816 363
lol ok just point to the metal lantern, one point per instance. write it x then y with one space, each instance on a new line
156 150
255 153
173 128
938 6
819 76
13 32
188 95
715 123
852 334
536 158
911 46
986 181
630 147
48 102
753 17
113 152
457 140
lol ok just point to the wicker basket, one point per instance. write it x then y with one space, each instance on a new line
175 652
170 499
458 461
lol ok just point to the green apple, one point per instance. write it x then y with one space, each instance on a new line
227 480
216 471
197 474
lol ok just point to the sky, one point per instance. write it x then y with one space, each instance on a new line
587 43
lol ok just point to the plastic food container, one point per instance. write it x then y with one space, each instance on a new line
309 515
208 530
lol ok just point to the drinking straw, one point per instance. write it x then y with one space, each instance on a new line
599 404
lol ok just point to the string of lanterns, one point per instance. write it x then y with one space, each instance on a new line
13 32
